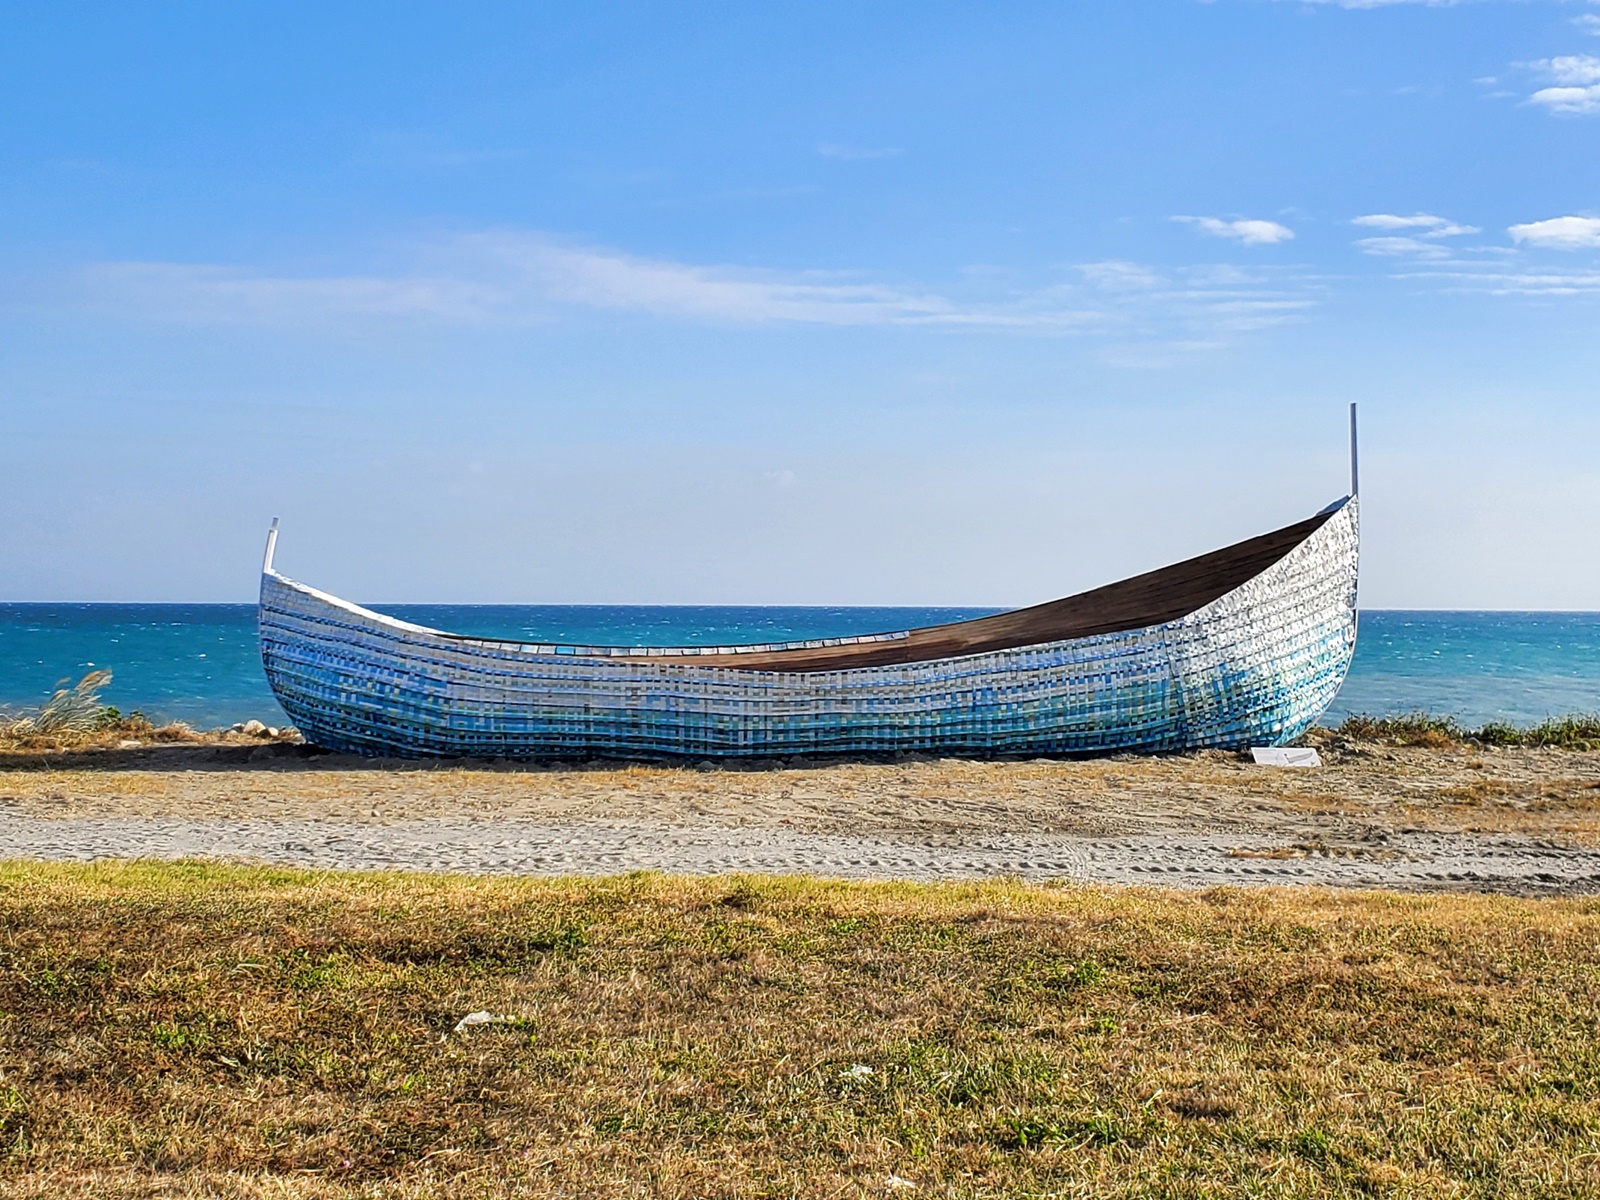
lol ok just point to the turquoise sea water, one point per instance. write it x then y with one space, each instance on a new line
198 662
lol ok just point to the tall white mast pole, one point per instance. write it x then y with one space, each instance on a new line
1355 461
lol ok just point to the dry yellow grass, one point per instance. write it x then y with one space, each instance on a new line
1537 792
20 740
206 1030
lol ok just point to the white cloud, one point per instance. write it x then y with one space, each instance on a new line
1425 224
1499 270
1208 302
1490 270
1250 232
1396 247
1116 275
1500 280
1559 233
1577 84
855 153
518 277
207 292
1385 3
1589 23
610 279
511 277
1570 68
1568 101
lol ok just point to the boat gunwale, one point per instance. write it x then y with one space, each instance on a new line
899 647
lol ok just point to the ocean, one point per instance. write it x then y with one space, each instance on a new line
198 662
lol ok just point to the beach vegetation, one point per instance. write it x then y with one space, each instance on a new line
74 717
199 1029
1575 731
1572 732
71 708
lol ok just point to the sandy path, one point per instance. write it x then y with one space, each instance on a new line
1412 862
1518 820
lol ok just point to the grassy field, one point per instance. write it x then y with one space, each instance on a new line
207 1030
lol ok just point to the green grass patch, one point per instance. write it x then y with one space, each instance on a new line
204 1030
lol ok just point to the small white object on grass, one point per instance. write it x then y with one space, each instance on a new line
859 1071
480 1018
896 1184
1286 756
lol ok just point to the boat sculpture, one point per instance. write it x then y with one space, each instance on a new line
1245 646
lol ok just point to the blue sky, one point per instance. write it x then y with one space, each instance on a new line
855 303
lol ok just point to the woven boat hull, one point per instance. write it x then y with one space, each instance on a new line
1256 665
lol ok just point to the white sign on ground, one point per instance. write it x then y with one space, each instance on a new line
1286 756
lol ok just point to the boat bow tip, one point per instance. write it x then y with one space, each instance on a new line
272 546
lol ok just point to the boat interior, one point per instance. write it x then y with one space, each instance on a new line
1149 599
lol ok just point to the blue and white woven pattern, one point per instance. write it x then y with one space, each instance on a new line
1254 667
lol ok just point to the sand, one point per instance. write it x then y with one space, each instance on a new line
1515 820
